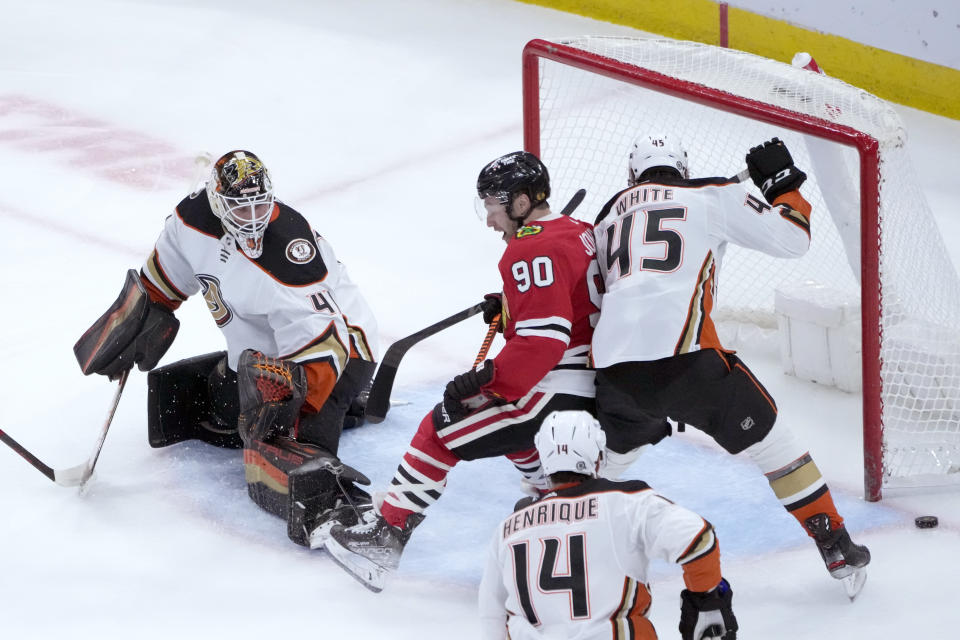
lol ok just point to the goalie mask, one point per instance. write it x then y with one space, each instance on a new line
241 195
512 174
570 441
656 150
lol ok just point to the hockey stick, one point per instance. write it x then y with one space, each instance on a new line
78 475
487 340
574 202
379 401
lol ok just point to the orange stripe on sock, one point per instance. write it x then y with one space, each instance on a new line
823 504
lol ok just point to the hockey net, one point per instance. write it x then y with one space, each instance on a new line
585 101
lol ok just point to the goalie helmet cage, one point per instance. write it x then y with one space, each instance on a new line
586 99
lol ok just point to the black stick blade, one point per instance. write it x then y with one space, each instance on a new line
378 403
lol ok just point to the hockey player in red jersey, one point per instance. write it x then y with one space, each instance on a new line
537 583
656 349
496 408
301 339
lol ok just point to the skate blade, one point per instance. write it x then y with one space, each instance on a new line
853 583
370 575
320 535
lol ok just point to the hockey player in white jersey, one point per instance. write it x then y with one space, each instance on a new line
660 243
574 564
301 339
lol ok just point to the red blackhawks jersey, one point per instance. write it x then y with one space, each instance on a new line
550 303
574 564
295 301
660 247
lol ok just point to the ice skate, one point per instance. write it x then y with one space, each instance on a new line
845 560
370 549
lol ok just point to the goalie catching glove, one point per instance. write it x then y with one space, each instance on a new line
132 331
772 170
708 616
464 394
272 392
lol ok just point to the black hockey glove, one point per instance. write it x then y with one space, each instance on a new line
772 170
492 306
463 395
708 616
271 391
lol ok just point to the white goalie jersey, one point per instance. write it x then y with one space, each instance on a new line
660 246
574 564
294 302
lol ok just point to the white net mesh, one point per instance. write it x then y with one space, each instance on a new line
588 122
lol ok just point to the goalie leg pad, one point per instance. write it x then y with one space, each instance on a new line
193 399
317 487
297 482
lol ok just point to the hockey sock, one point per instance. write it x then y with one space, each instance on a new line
803 492
528 463
421 476
793 476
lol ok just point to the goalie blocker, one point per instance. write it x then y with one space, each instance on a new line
132 331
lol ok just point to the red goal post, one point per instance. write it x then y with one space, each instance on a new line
586 99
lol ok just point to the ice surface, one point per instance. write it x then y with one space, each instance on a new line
374 118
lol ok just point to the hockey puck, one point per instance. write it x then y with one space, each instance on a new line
926 522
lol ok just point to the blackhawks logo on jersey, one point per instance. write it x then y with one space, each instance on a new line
529 230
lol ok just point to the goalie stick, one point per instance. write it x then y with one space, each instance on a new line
78 475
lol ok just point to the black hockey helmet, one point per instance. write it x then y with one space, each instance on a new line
517 172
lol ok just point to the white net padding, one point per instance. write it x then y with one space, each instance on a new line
588 121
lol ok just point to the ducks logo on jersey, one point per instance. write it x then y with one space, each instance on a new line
300 251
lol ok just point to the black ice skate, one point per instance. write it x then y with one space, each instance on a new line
845 560
370 549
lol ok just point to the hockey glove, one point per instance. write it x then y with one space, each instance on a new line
463 395
271 391
132 331
708 616
772 170
492 306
